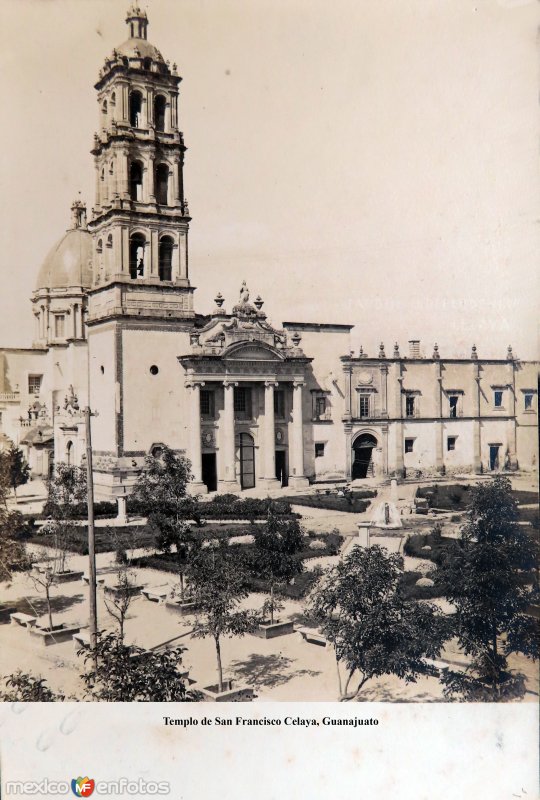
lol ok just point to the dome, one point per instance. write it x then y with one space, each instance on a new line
139 48
69 263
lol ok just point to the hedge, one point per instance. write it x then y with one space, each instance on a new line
439 546
410 591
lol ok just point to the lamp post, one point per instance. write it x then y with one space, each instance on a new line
91 535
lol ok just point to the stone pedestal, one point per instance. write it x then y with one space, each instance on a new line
121 515
363 534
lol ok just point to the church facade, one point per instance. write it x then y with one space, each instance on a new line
250 404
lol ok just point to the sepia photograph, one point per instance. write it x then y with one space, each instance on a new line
268 354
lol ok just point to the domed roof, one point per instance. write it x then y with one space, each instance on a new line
69 262
139 48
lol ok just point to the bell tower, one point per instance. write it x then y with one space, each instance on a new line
140 219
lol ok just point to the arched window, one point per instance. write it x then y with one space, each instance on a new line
104 107
135 180
136 256
159 112
165 258
99 245
135 108
109 240
113 99
162 184
69 452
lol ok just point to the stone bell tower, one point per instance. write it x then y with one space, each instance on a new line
140 218
140 302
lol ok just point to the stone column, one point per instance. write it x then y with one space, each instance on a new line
439 430
196 486
98 186
227 481
269 475
297 479
384 391
151 180
348 381
399 464
74 320
176 185
477 440
511 436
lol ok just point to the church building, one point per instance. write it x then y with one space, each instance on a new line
250 404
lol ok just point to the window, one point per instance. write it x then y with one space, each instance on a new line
59 326
207 404
453 403
319 449
136 256
451 443
364 405
410 406
162 184
135 107
528 401
498 398
154 370
135 181
319 410
409 445
159 113
279 403
34 384
166 245
242 403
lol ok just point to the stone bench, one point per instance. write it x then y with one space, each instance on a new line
81 639
86 579
156 594
24 620
312 636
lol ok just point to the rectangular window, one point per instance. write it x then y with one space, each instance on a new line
451 443
410 406
34 384
279 403
242 403
319 406
409 445
453 403
59 326
319 449
498 398
528 401
207 403
364 405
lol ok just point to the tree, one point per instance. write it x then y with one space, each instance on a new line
118 604
19 470
161 492
66 490
22 687
490 580
13 556
219 582
277 544
45 575
126 673
373 629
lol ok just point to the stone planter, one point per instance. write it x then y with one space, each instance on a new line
58 634
269 630
69 575
119 591
5 613
181 607
237 693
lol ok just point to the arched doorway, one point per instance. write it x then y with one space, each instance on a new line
69 453
246 458
362 462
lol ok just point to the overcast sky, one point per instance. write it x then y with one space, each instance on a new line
362 161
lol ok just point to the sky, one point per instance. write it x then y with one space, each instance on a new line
370 162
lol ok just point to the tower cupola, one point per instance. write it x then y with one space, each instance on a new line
137 22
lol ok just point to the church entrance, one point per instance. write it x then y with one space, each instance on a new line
209 471
281 467
246 457
362 462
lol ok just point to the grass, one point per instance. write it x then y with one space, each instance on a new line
130 537
410 591
355 502
450 497
439 546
